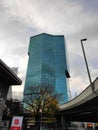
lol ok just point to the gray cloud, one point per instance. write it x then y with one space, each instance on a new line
89 5
75 19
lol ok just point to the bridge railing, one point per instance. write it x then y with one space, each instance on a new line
82 97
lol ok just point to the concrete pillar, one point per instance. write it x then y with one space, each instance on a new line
63 122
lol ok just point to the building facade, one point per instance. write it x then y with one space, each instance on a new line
47 64
9 95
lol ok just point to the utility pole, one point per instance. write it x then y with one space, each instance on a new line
92 86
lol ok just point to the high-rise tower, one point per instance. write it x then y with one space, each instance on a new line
47 63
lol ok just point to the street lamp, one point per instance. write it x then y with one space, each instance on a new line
92 86
69 95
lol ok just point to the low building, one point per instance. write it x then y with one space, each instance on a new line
9 95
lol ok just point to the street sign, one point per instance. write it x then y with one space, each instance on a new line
16 123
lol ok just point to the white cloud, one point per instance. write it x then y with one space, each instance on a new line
75 19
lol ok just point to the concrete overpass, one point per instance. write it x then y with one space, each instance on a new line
84 107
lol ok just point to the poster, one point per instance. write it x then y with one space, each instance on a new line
16 123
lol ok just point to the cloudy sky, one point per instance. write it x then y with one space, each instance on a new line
75 19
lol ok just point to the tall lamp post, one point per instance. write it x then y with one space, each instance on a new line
92 86
69 95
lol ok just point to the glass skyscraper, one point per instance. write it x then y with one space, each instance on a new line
47 63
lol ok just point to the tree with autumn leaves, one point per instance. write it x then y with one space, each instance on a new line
42 103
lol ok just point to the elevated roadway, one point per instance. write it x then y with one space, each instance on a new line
84 107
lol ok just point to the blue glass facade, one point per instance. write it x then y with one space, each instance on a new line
47 63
